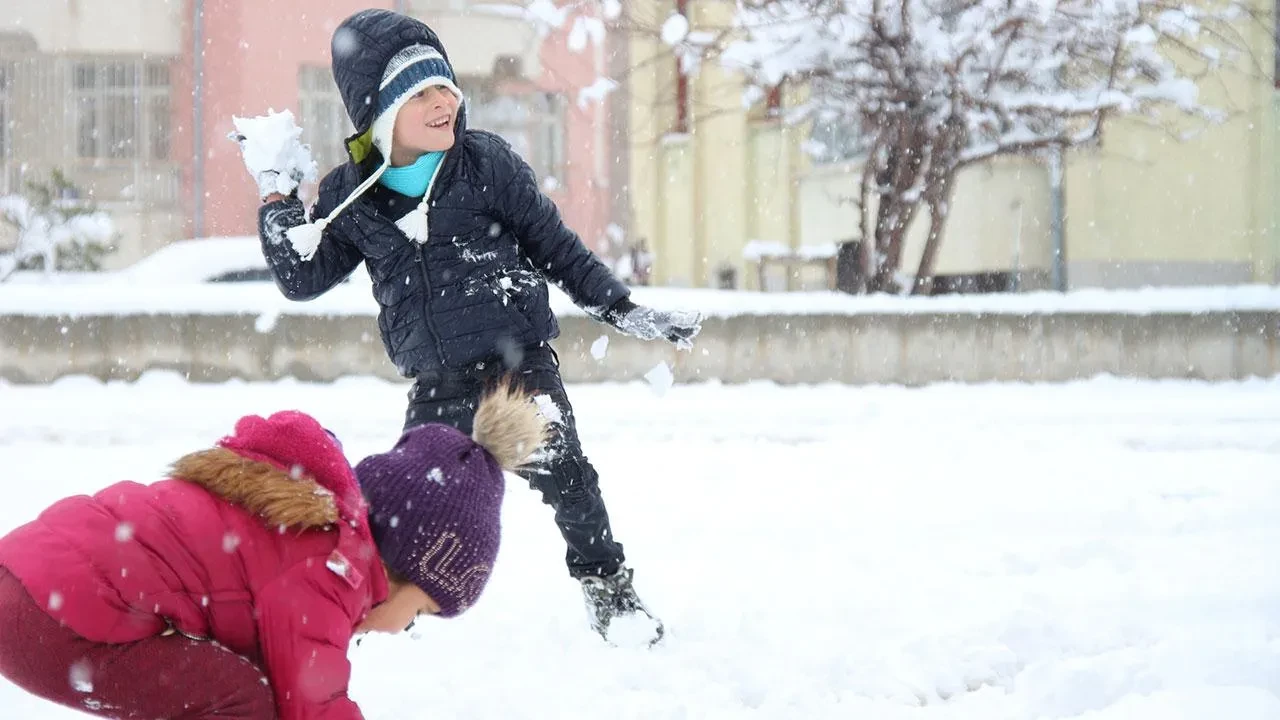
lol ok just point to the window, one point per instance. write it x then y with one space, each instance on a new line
533 122
122 109
6 120
323 117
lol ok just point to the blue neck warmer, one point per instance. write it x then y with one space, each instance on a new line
413 180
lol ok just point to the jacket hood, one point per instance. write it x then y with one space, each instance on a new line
261 488
361 48
285 467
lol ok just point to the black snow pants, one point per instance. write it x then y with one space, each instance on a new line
568 482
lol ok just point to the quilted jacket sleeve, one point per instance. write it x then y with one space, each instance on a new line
554 249
304 628
335 258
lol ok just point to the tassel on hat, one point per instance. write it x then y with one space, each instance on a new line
414 224
409 71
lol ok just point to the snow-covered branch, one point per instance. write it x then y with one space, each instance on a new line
51 231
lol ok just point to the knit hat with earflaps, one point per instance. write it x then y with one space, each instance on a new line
410 71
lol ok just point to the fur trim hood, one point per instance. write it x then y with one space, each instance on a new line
285 468
278 497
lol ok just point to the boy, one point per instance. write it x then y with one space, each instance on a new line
459 242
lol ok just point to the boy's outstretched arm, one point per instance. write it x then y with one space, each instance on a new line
554 249
561 255
335 258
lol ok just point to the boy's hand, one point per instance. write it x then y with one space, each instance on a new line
273 152
678 326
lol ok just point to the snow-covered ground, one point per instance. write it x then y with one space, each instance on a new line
1099 550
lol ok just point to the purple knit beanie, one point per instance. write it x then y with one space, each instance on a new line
435 502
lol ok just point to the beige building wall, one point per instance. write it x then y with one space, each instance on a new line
93 26
1145 209
1149 209
999 221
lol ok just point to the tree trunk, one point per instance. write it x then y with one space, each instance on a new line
951 139
898 181
939 209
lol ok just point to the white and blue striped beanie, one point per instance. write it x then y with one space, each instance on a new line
408 72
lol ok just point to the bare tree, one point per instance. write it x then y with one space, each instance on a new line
943 84
938 85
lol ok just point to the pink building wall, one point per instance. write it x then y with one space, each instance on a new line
583 197
252 54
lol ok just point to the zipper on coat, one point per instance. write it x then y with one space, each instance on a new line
422 264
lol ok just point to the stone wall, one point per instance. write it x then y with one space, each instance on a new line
901 348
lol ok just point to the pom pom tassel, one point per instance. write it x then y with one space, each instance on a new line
306 238
414 223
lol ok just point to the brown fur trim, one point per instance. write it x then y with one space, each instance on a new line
259 488
507 424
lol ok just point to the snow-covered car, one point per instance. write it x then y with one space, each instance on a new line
205 260
217 259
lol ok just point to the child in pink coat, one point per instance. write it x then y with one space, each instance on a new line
233 588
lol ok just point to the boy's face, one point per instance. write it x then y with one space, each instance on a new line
424 124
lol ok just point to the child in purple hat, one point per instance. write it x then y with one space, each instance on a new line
232 588
435 498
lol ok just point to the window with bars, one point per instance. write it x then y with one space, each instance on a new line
122 109
324 121
533 122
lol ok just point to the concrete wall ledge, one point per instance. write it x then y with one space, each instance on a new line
914 348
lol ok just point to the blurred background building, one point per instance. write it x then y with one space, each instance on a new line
133 101
672 176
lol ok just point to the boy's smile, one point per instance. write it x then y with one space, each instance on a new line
424 124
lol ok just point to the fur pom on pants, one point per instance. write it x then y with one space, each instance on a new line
166 676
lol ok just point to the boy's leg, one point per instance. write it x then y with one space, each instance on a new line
567 481
160 677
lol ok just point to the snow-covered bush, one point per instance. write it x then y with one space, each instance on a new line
53 230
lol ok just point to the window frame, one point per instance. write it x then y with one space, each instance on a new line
118 104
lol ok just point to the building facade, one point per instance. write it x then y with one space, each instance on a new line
707 177
133 100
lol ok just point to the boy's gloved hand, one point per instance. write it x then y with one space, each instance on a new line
273 152
678 326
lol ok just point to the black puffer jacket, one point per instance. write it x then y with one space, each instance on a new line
477 287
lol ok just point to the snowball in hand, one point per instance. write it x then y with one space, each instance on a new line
271 143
